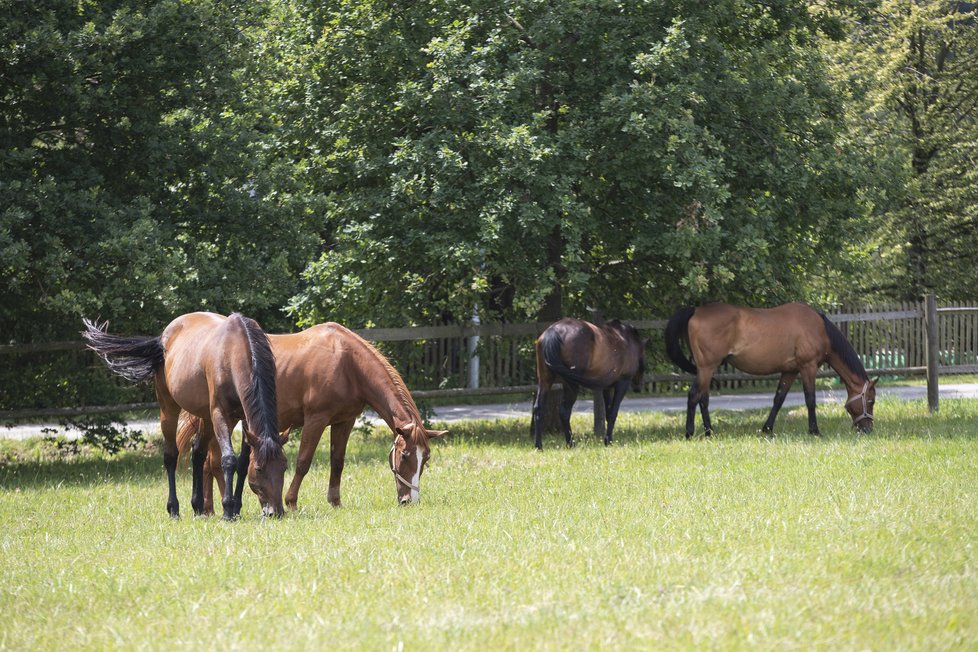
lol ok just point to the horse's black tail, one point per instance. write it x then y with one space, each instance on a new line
550 345
676 329
260 405
134 358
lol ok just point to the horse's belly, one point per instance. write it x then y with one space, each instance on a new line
760 361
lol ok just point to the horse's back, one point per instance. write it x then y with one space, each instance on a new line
316 373
207 356
759 340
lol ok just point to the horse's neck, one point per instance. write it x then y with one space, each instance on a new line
853 381
382 394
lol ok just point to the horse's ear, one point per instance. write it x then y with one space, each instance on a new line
875 380
405 431
437 433
284 436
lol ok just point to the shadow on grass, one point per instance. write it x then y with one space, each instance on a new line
957 420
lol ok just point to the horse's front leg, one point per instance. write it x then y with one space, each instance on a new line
197 459
808 384
339 436
784 385
612 406
229 461
244 458
312 432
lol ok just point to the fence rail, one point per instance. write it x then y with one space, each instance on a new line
910 339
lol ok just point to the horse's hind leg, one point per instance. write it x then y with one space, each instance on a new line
545 379
612 406
783 386
169 421
566 407
699 395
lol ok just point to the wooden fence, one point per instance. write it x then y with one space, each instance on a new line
893 340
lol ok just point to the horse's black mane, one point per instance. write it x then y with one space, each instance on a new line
260 395
842 347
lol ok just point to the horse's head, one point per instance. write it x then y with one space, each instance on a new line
266 475
860 405
408 457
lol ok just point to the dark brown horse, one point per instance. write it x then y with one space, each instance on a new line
608 358
792 340
326 376
220 369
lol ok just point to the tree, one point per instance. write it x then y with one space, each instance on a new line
912 67
537 158
132 185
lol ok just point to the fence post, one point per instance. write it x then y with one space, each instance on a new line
933 353
473 349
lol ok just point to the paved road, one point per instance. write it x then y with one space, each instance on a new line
449 414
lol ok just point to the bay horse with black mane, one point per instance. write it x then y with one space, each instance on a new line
220 369
325 376
605 358
792 339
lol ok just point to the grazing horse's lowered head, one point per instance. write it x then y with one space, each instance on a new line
408 456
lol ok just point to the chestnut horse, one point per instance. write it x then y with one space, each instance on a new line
219 369
326 376
607 358
792 340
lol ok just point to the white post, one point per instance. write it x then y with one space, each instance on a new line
474 353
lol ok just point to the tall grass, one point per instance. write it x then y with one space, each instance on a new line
742 541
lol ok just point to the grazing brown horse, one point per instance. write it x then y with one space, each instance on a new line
219 369
792 340
607 358
326 376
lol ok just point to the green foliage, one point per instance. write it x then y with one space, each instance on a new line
910 67
631 156
130 185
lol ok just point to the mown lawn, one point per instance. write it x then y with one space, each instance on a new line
845 541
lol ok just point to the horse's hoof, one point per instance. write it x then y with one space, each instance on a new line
607 442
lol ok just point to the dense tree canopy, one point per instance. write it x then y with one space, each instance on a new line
544 157
911 65
388 162
130 184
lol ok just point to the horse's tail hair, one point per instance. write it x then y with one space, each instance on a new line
134 358
550 344
676 329
187 432
260 405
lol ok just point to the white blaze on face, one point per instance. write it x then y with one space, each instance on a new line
416 493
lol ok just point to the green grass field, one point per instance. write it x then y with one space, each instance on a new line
846 541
